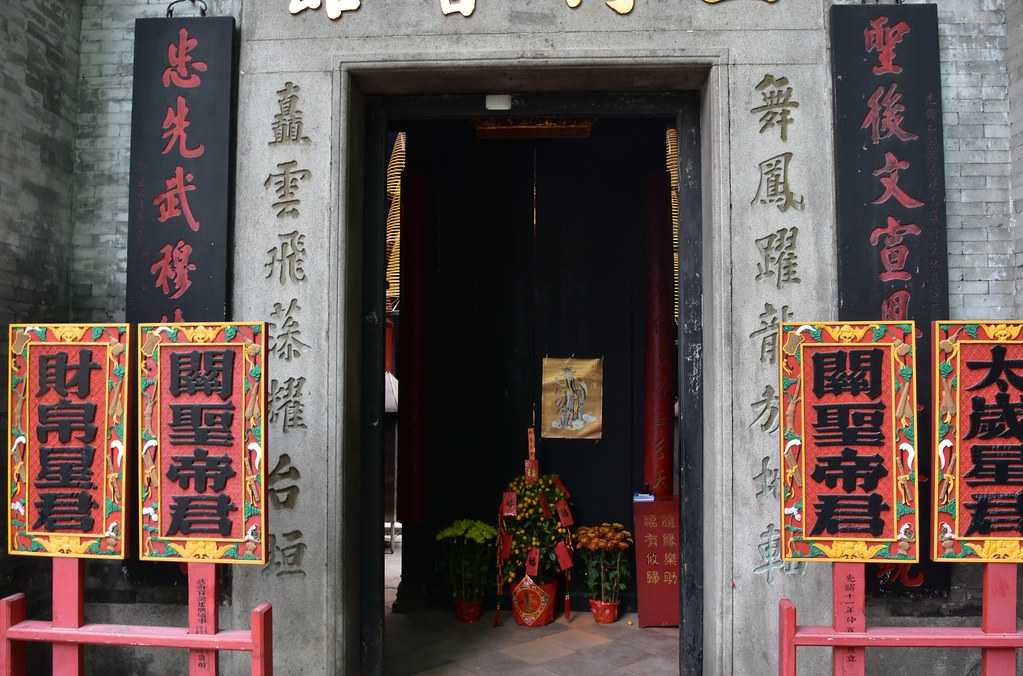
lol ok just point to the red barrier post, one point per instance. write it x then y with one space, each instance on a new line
203 616
262 640
848 603
68 613
786 638
12 653
999 616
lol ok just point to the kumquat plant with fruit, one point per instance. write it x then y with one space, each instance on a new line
534 525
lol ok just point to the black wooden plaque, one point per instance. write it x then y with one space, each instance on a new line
890 193
181 145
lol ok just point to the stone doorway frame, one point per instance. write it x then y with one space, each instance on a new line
355 576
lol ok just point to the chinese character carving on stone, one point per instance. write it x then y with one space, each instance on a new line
767 334
287 124
770 552
766 481
776 108
286 560
284 497
286 403
778 257
774 184
287 258
285 185
286 342
766 409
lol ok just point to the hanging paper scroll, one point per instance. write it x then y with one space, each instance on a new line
66 440
848 449
573 398
202 442
978 461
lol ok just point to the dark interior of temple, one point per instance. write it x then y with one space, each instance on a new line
513 250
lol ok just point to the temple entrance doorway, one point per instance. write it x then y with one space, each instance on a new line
512 243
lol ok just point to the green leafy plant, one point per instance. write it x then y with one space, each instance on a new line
533 527
604 551
469 548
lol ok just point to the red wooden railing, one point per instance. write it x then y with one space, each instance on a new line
69 634
849 636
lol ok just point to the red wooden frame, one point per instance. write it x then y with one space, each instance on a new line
68 633
849 636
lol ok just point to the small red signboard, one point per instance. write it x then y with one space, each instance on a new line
978 462
202 442
848 442
66 440
658 564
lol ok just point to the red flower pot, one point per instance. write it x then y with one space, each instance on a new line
532 603
604 612
468 611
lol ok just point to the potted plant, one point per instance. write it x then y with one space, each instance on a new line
469 550
604 551
535 546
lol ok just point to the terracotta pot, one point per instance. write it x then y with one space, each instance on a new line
468 611
533 603
604 612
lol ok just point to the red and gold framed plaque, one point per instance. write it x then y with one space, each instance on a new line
202 442
978 433
848 442
66 440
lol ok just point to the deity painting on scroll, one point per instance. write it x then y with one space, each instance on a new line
573 398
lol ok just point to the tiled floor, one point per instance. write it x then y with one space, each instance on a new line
434 642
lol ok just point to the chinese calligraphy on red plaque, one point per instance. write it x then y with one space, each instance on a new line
658 567
180 169
173 269
978 462
66 440
884 118
879 37
848 441
182 71
890 198
175 126
182 68
202 442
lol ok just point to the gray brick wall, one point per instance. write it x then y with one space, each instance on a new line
98 265
1014 21
38 77
975 83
